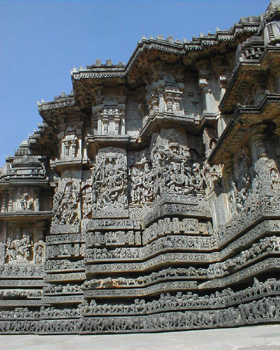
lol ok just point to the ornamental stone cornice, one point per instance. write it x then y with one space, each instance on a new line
168 50
31 216
177 47
113 197
248 72
243 118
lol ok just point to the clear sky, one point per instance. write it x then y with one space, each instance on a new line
41 41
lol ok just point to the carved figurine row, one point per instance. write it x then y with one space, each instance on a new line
266 245
166 302
264 310
160 245
60 265
16 270
265 204
21 293
225 298
65 250
63 289
162 275
175 226
113 238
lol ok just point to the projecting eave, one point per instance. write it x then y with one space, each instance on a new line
148 51
240 126
247 74
61 106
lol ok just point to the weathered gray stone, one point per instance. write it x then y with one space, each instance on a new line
148 200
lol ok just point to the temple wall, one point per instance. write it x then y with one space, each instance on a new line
149 198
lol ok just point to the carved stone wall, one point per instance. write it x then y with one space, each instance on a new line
148 200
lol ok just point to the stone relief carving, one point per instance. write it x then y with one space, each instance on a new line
70 140
209 140
86 200
39 252
165 193
256 303
142 184
20 249
110 179
171 163
165 94
109 114
25 201
66 202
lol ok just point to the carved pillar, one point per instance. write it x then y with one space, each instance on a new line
169 102
209 100
11 200
259 92
36 200
103 121
228 170
79 146
62 149
73 148
258 142
117 123
223 83
4 203
66 147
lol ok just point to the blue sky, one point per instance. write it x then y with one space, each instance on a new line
41 41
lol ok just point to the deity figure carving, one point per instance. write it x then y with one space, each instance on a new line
242 168
19 250
39 252
110 179
176 167
86 200
25 201
169 158
149 199
142 190
66 202
274 179
241 185
211 174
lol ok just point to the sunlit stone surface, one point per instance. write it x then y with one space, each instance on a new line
148 199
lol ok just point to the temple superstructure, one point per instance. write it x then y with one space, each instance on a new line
148 199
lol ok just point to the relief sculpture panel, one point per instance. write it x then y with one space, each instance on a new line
148 200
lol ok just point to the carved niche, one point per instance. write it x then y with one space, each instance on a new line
165 93
24 244
70 141
109 114
19 247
